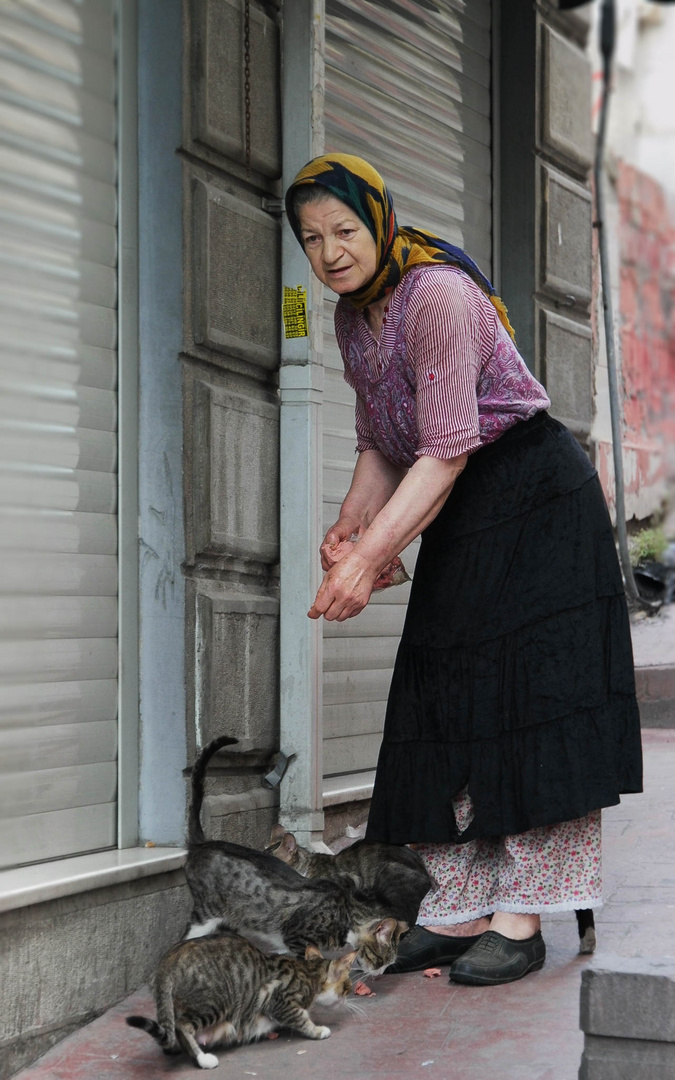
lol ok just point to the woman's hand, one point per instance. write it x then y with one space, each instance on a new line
337 543
346 588
353 568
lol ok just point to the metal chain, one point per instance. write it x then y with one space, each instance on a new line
247 83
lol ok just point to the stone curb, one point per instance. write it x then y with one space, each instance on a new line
656 695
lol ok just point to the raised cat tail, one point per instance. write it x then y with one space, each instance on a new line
195 831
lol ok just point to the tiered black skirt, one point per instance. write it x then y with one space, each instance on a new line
514 676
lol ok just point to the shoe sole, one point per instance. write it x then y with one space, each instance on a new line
395 969
486 980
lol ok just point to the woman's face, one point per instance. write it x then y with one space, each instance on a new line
341 250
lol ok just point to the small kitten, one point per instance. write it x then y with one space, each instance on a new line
222 990
396 874
258 896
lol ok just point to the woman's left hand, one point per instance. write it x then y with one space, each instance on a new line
345 590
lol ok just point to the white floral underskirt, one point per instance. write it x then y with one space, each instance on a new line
555 868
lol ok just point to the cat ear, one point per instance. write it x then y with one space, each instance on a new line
289 844
343 965
384 929
277 833
312 953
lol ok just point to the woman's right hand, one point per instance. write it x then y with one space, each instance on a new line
337 543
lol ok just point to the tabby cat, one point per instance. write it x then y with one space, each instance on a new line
256 895
222 990
396 874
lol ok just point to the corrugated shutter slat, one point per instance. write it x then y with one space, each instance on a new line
58 429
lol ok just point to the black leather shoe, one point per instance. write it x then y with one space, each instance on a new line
421 948
496 959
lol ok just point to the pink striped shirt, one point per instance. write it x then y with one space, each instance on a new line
443 379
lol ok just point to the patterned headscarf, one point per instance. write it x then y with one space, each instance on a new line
360 186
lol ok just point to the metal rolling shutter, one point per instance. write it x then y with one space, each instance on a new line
58 444
407 88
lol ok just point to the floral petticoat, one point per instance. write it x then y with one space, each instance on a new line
556 868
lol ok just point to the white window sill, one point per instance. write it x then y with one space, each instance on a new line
345 789
49 881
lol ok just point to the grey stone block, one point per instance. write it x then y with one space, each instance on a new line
626 1059
658 714
251 827
235 278
219 119
576 22
656 695
234 474
237 668
566 105
566 226
566 367
629 998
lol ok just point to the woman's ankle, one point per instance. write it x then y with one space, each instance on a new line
466 929
515 926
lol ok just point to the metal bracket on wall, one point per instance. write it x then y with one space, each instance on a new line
280 760
272 206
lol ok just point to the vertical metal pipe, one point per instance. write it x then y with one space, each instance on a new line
301 386
607 23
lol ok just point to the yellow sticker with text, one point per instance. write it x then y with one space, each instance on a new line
295 312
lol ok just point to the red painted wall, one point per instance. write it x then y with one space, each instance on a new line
646 320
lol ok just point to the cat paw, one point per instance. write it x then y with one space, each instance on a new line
207 1061
321 1033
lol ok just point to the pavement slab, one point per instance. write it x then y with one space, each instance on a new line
416 1028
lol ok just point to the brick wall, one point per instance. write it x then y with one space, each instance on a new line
645 313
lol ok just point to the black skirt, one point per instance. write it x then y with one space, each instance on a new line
514 676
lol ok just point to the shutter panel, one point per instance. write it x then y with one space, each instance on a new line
407 88
58 443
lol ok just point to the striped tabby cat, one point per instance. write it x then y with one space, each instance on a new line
396 874
222 990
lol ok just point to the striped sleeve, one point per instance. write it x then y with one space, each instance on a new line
447 330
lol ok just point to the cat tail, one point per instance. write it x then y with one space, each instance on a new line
164 1029
152 1028
195 831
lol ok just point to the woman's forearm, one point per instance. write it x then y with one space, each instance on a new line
412 506
374 482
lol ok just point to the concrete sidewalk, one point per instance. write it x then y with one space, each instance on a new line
420 1029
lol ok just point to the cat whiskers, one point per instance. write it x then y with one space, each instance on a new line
354 1007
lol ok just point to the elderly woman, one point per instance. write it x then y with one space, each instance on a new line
511 717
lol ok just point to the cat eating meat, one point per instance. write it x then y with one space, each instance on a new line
396 874
222 990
